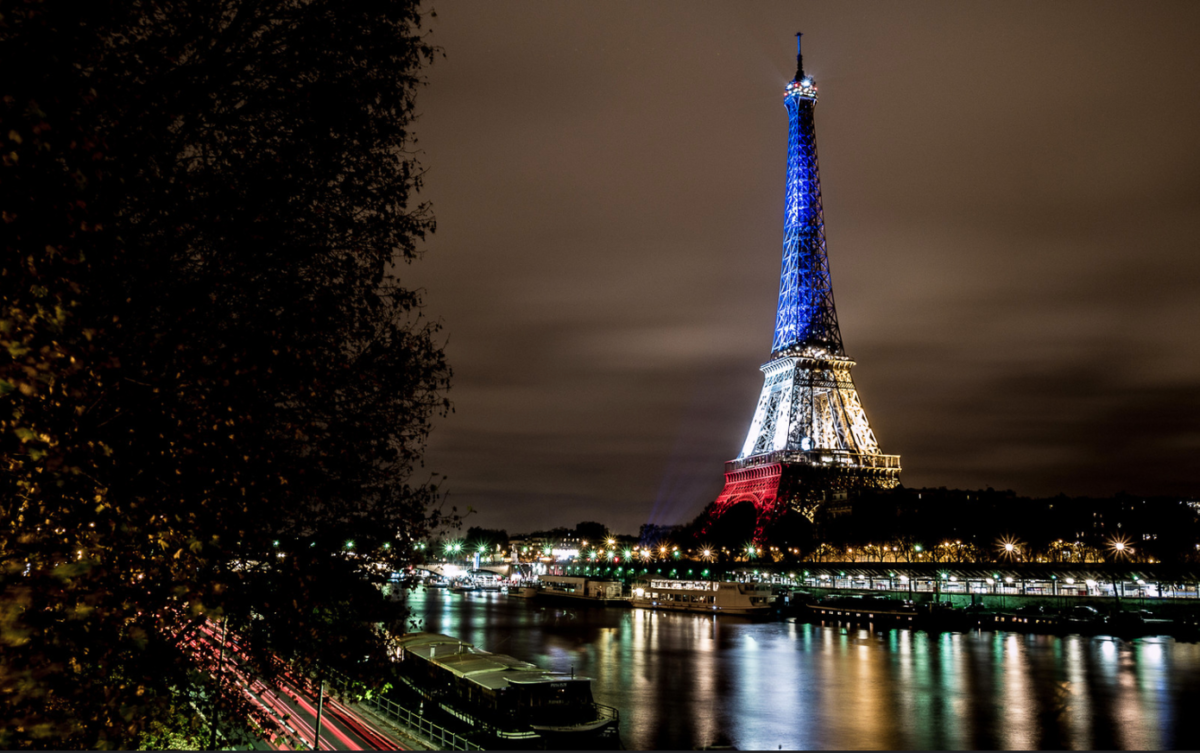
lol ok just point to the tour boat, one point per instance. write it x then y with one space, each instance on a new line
501 701
570 589
711 597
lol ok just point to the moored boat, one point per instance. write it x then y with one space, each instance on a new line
577 590
522 592
712 597
501 701
862 609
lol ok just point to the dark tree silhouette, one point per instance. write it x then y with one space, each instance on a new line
215 388
592 532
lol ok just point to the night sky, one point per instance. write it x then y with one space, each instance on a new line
1012 207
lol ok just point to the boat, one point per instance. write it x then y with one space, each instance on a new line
522 592
500 701
463 587
483 580
712 597
862 609
578 590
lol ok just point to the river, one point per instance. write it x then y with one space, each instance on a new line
684 681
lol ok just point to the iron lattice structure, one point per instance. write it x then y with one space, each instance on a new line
806 313
809 435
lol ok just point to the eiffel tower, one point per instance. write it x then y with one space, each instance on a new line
809 437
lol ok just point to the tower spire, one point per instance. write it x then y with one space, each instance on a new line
799 58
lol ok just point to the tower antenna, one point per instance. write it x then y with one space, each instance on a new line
799 58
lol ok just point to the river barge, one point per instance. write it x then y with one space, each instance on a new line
501 701
581 591
711 597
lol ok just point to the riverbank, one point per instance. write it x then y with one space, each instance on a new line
1028 614
1171 609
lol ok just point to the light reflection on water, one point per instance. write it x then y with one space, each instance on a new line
685 681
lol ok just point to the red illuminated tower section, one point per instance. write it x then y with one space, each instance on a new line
809 435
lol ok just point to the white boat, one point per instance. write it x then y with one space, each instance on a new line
578 590
711 597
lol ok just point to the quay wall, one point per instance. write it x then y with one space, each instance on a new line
1165 608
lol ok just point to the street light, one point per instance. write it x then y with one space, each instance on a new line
1010 548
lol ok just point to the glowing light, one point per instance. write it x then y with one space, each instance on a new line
1009 548
1120 547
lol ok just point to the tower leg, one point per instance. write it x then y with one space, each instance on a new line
758 485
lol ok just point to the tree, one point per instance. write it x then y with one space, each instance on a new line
591 531
217 389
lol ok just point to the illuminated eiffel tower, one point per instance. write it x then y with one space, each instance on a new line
809 436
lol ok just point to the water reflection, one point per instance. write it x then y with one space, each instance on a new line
684 681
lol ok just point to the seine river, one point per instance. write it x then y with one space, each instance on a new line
684 681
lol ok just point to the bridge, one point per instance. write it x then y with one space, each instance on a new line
451 570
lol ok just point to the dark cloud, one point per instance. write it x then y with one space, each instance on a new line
1011 201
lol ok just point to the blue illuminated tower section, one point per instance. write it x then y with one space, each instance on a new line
809 439
806 314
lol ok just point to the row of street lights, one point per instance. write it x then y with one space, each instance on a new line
1007 548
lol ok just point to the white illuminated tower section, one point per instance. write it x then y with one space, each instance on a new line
809 435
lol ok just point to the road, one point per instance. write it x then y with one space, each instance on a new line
294 703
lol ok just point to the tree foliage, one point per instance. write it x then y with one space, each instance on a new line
590 530
216 388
